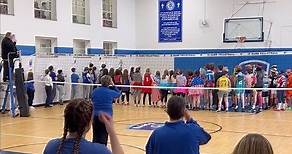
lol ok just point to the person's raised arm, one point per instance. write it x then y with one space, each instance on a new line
115 144
116 92
200 133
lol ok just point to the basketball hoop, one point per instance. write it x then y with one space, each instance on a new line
240 41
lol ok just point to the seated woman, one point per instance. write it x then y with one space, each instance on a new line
253 144
78 117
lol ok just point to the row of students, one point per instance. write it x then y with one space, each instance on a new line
251 78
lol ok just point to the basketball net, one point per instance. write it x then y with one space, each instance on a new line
240 42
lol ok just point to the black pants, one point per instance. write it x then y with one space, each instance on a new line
215 97
149 98
30 96
181 94
100 134
49 95
164 94
127 95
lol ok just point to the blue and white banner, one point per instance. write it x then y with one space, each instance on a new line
170 20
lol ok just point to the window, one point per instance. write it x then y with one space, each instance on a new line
80 47
80 11
6 7
45 9
109 47
109 13
45 45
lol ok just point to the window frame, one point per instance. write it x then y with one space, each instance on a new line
10 10
52 10
51 46
86 45
109 14
109 48
79 6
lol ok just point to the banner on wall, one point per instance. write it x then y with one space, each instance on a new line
170 20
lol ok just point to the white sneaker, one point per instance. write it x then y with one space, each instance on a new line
31 108
279 106
253 107
236 107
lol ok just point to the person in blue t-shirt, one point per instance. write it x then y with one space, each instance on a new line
74 79
77 122
186 137
102 99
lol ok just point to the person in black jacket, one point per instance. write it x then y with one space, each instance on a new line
8 46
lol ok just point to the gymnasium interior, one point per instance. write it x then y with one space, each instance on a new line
179 35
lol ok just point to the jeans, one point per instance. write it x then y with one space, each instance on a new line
86 90
280 96
30 96
54 91
49 91
61 91
100 134
74 89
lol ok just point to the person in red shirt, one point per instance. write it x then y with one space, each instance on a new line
147 81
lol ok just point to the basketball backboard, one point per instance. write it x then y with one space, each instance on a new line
251 28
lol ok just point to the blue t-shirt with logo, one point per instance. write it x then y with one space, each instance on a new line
85 147
210 76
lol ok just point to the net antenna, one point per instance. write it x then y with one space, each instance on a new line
240 41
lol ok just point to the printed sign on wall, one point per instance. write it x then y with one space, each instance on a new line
170 20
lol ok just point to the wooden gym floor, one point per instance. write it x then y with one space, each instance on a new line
29 135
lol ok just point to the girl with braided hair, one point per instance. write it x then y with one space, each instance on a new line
78 117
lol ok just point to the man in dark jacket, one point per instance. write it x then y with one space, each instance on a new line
8 46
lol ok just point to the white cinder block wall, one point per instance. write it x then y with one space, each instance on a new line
26 27
196 36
